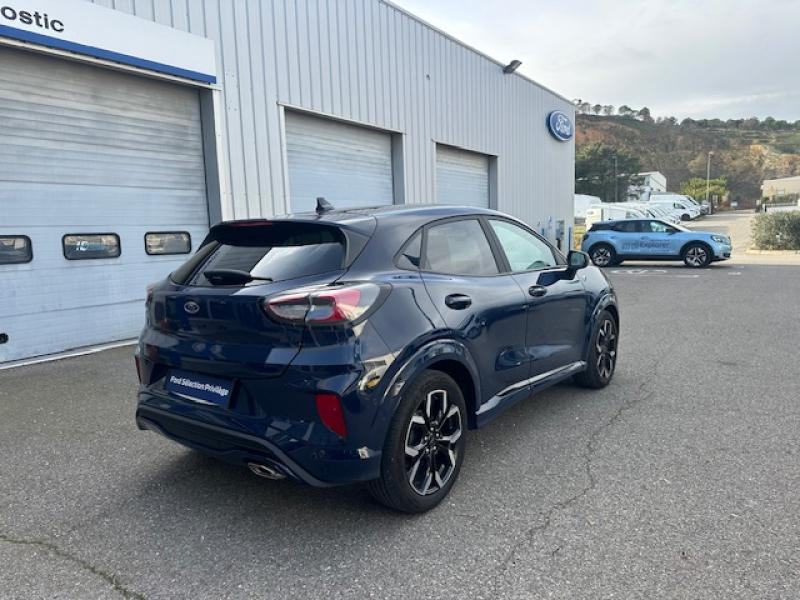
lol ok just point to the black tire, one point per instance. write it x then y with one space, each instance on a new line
685 217
603 255
602 359
414 428
697 255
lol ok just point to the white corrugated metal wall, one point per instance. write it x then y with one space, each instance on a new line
350 166
370 62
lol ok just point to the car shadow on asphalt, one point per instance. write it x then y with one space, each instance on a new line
201 483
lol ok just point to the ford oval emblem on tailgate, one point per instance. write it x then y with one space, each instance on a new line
191 307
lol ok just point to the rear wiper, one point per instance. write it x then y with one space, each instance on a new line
231 277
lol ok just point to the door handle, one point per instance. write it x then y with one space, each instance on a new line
458 301
537 291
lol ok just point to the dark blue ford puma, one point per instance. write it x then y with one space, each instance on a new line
360 345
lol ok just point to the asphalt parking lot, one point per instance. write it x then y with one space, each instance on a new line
680 480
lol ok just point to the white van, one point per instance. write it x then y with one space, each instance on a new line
686 209
612 212
582 204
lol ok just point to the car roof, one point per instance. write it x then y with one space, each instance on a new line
424 211
359 218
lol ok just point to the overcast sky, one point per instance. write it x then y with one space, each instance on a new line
701 58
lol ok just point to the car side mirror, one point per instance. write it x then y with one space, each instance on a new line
577 260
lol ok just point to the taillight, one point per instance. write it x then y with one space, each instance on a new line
325 306
329 409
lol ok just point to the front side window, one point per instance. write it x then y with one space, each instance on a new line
524 251
86 246
459 248
660 227
167 242
15 249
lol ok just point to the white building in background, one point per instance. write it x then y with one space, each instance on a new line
130 126
653 182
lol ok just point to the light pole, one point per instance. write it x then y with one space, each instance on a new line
708 183
616 183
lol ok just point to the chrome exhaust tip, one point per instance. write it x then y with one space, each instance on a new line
266 471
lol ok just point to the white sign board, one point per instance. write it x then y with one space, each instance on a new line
91 30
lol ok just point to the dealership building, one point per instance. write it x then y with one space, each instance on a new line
130 126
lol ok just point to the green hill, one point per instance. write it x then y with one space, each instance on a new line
746 151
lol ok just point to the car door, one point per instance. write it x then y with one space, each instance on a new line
656 238
625 235
556 298
484 307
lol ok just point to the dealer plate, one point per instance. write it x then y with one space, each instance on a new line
199 388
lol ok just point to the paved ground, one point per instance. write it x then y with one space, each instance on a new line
680 480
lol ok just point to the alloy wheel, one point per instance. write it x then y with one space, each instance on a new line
601 257
696 256
431 453
606 346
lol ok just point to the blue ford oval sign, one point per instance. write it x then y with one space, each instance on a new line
560 126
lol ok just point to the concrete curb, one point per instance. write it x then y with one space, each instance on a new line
773 252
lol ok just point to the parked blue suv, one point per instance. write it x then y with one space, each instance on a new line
608 243
360 345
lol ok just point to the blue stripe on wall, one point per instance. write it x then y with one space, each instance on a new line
51 42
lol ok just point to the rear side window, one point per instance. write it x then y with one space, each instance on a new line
459 248
15 249
274 252
411 254
167 242
88 246
627 226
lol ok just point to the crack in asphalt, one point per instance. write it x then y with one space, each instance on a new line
50 547
643 394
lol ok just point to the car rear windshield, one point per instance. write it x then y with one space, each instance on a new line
265 252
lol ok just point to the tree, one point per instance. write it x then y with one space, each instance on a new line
608 110
597 108
696 188
644 114
625 111
595 172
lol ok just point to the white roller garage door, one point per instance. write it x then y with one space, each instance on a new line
349 166
461 177
90 151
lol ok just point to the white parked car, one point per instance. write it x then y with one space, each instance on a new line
612 212
703 206
656 211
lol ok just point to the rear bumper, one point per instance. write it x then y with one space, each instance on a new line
314 465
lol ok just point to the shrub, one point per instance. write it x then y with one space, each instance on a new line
777 231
